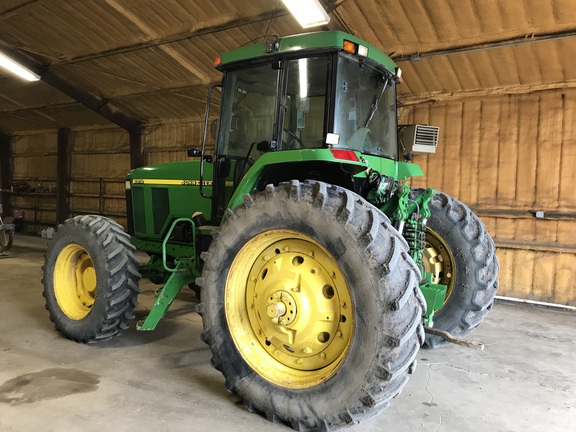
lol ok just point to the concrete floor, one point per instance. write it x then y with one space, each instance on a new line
525 379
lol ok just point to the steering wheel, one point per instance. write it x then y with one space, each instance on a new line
294 138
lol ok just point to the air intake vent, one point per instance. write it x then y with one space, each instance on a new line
419 138
139 210
160 208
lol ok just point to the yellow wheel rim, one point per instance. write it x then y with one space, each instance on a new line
74 281
439 261
289 309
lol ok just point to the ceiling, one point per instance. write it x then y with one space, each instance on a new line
145 61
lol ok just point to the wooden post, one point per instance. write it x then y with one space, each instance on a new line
62 176
5 173
136 149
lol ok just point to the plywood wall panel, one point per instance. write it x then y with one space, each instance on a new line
108 166
548 146
567 185
507 153
32 167
564 286
469 150
488 155
515 155
100 140
528 120
24 145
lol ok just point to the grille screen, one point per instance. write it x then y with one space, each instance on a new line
139 215
160 208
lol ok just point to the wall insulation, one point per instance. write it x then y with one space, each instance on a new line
98 162
509 157
506 156
34 162
99 159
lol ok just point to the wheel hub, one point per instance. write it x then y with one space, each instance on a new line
281 308
439 261
74 281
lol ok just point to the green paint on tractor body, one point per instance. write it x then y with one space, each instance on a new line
298 107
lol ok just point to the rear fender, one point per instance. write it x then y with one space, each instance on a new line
355 163
249 184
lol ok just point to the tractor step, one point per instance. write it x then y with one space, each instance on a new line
448 337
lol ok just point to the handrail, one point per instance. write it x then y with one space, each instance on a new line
165 242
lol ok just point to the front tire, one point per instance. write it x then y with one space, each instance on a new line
461 255
90 279
311 306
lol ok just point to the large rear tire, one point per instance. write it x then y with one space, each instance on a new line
461 255
310 306
90 279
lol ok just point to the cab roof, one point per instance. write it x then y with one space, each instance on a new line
317 41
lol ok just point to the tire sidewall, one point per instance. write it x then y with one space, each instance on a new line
85 328
366 306
462 294
475 266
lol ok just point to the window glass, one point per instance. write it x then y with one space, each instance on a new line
365 113
303 103
248 114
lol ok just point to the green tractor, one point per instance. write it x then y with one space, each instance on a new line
317 266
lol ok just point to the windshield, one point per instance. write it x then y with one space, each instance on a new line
365 117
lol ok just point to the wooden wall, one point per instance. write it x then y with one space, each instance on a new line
99 159
505 156
34 161
508 157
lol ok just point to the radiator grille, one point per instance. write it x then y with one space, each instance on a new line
139 214
160 208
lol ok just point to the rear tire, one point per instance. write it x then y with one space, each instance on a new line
281 262
90 279
467 264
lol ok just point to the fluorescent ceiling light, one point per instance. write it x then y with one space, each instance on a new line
17 69
309 13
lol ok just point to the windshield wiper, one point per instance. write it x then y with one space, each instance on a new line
377 98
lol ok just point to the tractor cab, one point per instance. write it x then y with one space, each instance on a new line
297 95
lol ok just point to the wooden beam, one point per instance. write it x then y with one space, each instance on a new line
5 173
263 16
434 97
89 100
62 176
485 46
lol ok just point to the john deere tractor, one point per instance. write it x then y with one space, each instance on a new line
317 266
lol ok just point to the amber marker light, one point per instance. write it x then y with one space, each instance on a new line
218 61
349 47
